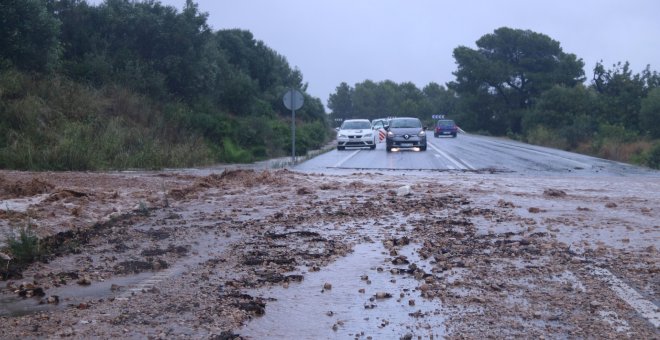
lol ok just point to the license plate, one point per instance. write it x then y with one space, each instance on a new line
446 132
406 144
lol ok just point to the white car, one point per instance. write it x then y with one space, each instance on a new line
356 133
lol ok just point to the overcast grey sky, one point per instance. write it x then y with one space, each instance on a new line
334 41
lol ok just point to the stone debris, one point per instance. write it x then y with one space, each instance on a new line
192 256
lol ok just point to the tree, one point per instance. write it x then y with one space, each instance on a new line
29 35
650 113
620 92
514 67
439 100
568 112
341 102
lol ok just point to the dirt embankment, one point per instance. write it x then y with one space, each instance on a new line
161 255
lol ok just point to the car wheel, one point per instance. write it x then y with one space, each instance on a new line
388 148
340 148
422 148
435 135
373 147
454 135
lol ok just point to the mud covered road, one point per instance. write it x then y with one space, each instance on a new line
282 254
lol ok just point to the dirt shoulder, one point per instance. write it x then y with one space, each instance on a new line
185 253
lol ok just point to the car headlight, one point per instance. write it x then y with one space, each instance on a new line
390 134
368 135
341 136
422 133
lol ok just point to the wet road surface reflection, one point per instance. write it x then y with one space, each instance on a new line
357 304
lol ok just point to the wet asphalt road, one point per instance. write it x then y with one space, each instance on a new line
475 153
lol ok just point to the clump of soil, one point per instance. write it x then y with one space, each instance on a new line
34 186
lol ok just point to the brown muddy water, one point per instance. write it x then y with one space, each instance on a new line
367 298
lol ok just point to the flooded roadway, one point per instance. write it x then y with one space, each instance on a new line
313 253
368 296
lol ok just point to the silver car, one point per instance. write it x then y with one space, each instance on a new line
356 133
405 133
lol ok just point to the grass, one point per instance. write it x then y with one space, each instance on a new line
286 162
26 247
54 123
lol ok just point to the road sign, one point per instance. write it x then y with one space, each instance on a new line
438 116
293 99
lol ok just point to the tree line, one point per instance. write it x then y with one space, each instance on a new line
139 84
523 85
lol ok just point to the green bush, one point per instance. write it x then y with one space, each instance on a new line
541 135
654 156
25 248
232 153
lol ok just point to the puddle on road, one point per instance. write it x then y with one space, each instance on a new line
72 294
308 311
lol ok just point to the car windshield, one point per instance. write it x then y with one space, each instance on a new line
406 123
353 125
445 123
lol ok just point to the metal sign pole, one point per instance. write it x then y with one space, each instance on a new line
293 131
293 100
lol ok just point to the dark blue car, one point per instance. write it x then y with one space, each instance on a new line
445 127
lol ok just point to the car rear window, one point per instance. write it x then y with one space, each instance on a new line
446 123
406 123
356 125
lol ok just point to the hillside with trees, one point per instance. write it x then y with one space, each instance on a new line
135 84
521 84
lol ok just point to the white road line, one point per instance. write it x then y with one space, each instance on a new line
459 165
346 159
468 164
644 307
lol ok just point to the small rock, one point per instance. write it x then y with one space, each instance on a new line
383 295
554 193
399 260
610 205
327 286
84 281
304 191
403 191
411 302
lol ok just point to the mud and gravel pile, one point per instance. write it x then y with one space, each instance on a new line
167 254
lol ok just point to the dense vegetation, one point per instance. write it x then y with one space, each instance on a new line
135 84
522 84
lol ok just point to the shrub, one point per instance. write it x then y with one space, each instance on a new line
654 156
232 153
541 135
25 248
